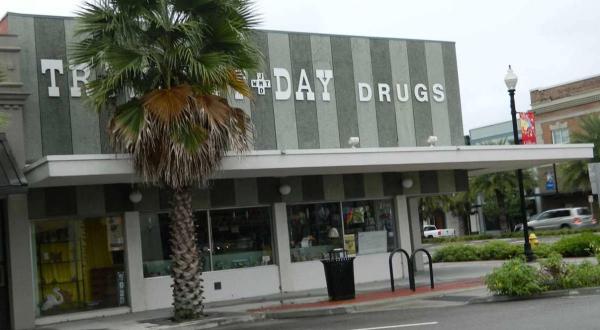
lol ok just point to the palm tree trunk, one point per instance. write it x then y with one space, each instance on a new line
187 264
503 213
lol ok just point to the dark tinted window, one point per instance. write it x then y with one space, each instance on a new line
583 211
560 214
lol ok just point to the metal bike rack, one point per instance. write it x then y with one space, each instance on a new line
412 257
410 268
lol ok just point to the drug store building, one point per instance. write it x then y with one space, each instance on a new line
77 241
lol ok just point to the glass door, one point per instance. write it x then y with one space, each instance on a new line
4 307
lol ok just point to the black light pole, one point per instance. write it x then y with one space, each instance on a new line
511 82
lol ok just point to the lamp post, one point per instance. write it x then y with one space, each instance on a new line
511 82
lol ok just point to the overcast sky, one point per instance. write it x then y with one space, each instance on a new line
546 41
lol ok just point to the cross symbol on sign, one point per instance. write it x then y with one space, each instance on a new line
260 83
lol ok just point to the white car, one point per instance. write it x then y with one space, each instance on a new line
431 231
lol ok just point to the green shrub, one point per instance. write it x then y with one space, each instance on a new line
456 252
582 275
553 270
514 278
543 250
578 245
499 250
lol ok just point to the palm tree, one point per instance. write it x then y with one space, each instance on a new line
574 175
500 186
176 57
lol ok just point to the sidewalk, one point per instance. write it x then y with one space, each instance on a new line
450 277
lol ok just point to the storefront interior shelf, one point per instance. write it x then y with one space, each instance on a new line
57 242
62 282
58 262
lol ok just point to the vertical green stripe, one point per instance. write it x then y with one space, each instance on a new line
246 192
461 180
329 135
343 79
354 186
373 185
222 193
85 127
333 187
285 114
446 181
312 188
382 74
418 75
268 190
367 118
429 182
405 121
262 107
54 111
439 110
392 184
306 111
453 93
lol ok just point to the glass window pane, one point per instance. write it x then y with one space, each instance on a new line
79 265
156 250
241 237
583 211
370 224
314 230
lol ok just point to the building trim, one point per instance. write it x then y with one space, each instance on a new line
566 102
116 168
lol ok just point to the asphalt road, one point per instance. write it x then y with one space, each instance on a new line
580 312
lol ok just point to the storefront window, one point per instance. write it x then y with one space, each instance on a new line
241 237
79 265
369 226
156 250
314 230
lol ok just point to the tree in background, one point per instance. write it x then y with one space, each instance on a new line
177 57
574 175
501 193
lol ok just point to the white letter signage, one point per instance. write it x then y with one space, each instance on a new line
53 66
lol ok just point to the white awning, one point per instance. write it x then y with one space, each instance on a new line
111 168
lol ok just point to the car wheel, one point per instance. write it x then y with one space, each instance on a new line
565 226
430 236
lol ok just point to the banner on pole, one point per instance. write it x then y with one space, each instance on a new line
527 125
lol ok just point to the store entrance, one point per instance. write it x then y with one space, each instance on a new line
4 307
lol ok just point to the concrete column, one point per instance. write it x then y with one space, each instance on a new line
282 246
134 262
20 251
402 223
415 229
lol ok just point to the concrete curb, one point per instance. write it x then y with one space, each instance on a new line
352 308
544 295
211 323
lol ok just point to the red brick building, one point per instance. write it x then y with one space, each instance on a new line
558 109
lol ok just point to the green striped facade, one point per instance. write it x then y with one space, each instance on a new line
98 200
64 124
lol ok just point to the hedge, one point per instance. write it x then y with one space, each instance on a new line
582 245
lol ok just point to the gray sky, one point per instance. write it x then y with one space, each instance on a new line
547 42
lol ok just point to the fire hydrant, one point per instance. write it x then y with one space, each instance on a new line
533 240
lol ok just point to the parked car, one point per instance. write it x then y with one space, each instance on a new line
431 231
566 218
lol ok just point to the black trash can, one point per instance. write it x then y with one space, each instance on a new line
339 275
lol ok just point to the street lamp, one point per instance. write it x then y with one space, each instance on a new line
511 82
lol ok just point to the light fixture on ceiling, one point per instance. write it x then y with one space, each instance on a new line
135 196
407 183
285 189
